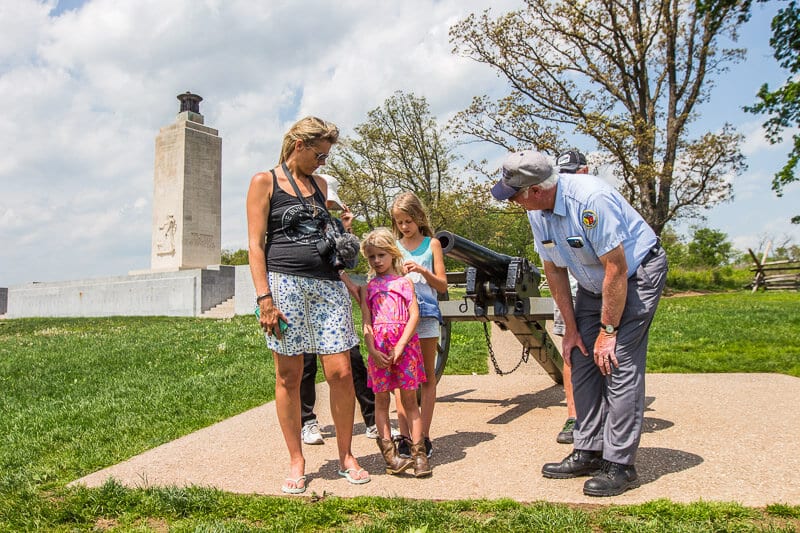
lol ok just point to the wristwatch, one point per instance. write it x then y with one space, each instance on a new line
608 328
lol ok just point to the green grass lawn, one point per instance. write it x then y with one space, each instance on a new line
77 395
730 332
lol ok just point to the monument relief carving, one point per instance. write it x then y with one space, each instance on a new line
165 245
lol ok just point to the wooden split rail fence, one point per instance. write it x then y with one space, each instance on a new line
774 275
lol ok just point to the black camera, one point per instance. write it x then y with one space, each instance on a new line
338 247
326 246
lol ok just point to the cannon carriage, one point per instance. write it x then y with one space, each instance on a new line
500 289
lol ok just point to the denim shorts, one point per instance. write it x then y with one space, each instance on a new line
428 327
319 314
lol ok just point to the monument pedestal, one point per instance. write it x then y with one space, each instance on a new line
185 293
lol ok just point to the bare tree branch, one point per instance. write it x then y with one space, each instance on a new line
630 74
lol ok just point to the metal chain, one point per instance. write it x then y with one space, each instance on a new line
525 349
523 359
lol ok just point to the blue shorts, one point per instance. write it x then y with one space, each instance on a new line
428 327
319 314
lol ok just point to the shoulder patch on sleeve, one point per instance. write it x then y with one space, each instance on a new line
589 219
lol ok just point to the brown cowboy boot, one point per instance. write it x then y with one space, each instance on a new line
420 457
394 463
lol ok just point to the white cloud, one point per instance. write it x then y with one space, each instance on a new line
83 95
755 140
21 30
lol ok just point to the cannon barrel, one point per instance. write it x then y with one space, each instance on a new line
504 290
491 263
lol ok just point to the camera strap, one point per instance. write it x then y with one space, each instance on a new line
300 196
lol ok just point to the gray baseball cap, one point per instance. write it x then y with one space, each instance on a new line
522 170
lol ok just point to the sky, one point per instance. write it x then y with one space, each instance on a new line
86 85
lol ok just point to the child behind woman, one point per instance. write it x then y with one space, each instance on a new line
390 314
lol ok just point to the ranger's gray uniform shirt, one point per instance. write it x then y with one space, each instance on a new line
588 220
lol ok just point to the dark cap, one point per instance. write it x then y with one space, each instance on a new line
570 161
522 170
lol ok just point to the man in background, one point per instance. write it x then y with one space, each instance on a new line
308 393
569 162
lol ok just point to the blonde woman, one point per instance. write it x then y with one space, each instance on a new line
303 305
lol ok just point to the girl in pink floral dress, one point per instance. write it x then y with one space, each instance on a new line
390 314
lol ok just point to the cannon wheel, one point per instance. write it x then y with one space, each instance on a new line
443 349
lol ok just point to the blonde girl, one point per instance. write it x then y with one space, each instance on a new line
424 265
390 314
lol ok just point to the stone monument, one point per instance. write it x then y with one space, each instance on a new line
185 278
187 194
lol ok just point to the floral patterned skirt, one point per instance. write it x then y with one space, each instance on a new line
319 314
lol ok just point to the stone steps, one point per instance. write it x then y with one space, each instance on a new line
225 309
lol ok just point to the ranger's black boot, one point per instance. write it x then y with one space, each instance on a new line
615 479
578 463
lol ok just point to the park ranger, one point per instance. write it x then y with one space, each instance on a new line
583 226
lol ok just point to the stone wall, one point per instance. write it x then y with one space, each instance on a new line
245 302
182 293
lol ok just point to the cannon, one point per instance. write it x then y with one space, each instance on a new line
500 289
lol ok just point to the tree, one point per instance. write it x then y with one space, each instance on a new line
787 252
674 247
234 257
778 248
399 148
630 75
709 248
782 105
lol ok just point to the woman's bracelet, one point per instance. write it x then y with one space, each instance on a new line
263 297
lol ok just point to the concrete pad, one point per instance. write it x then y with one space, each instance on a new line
713 437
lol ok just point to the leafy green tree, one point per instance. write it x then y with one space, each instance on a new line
778 248
782 105
399 148
630 75
234 257
674 246
709 248
789 252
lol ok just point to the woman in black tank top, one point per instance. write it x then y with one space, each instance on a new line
302 304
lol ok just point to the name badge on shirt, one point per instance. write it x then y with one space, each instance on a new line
548 243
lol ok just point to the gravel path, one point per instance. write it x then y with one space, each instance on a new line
713 437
